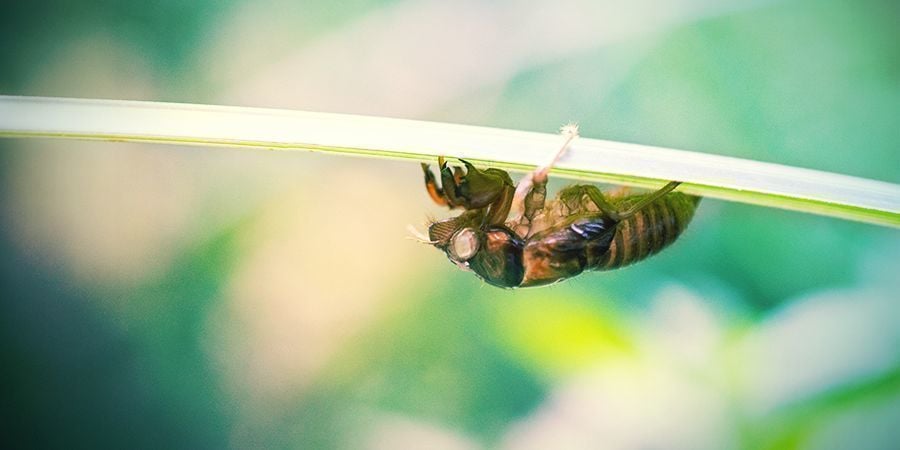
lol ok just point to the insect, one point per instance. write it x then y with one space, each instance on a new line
511 236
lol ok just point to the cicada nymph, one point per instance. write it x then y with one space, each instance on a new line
511 236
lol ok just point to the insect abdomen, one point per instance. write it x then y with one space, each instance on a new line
649 230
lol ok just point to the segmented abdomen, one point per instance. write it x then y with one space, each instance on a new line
648 231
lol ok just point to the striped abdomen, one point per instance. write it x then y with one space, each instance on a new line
648 231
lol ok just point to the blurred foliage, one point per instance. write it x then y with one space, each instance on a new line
75 377
166 32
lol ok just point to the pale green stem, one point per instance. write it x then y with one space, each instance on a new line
588 159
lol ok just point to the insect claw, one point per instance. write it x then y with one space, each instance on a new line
468 165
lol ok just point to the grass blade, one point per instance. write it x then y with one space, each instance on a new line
715 176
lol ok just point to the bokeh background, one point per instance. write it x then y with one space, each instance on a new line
167 297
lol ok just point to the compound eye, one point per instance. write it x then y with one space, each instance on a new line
464 244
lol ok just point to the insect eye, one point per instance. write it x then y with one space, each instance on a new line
464 244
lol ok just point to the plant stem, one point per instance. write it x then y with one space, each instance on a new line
708 175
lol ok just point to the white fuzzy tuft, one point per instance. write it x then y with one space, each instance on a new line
569 130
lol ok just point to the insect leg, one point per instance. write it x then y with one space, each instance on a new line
531 192
499 209
450 183
622 215
573 197
474 188
649 199
434 191
534 200
480 188
527 201
490 191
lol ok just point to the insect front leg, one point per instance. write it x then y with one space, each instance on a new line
434 191
490 190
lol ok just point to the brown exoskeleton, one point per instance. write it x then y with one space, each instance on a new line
510 236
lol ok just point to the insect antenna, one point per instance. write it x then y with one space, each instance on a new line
418 236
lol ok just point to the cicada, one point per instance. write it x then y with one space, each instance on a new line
510 235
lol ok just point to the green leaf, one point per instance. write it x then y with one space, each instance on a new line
708 175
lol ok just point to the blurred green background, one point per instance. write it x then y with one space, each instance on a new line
169 297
